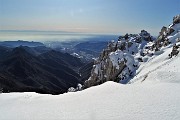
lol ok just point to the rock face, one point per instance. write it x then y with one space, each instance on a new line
168 35
117 62
176 19
85 71
175 51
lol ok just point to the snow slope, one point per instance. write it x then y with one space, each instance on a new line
159 68
110 101
156 98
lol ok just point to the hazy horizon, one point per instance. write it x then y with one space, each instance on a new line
52 36
82 16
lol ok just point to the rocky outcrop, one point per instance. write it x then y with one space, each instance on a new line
176 19
175 51
117 62
168 35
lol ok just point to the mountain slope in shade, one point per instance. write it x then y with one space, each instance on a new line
62 58
47 73
85 71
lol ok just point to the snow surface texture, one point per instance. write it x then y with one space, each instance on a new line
110 101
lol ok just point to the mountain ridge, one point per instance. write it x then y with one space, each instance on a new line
120 60
23 71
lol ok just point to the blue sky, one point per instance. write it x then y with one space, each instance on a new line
94 16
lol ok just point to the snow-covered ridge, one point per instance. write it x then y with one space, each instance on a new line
159 68
120 60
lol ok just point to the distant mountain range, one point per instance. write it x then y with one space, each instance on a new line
86 48
20 43
38 69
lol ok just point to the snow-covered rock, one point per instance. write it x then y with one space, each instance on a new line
176 19
71 89
118 62
165 50
121 59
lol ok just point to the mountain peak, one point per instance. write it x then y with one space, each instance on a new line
120 60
